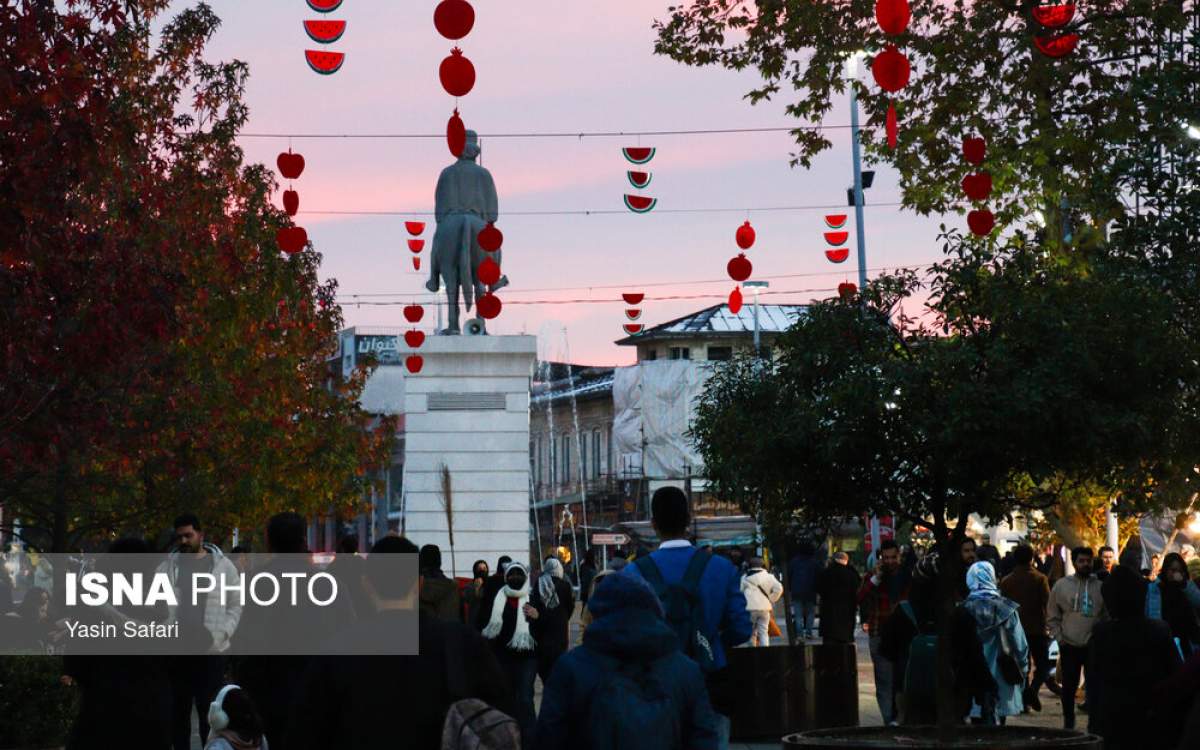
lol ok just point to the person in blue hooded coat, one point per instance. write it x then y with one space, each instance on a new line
628 686
996 618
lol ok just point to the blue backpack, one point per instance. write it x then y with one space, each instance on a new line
683 608
630 711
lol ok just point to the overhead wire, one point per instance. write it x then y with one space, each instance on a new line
587 301
557 134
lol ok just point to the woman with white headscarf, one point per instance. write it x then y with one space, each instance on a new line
556 605
1005 650
511 613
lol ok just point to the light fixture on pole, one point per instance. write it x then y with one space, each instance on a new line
756 287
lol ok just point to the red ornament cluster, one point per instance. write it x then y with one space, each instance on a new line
836 238
488 272
638 155
324 31
1052 17
293 239
890 67
454 19
978 187
633 313
414 338
415 244
739 267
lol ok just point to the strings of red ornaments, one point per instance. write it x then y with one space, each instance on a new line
633 313
414 338
324 31
415 244
291 240
835 237
1052 17
890 67
454 19
490 239
978 187
739 267
638 155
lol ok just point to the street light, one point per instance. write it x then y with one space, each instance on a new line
756 287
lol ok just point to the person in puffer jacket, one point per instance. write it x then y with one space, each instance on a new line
628 686
761 590
996 618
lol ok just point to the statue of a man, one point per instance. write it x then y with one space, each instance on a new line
465 202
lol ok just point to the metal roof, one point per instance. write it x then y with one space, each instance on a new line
585 386
718 320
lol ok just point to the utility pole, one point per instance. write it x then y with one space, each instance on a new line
757 287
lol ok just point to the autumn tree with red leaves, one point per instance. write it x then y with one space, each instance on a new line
157 351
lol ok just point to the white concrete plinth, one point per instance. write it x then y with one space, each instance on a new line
468 410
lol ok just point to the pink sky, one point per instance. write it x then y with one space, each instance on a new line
585 65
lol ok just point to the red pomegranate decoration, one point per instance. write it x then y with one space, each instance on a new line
457 74
891 69
290 165
1056 46
489 306
456 135
846 289
735 300
633 298
414 363
974 150
740 268
413 313
745 236
291 240
893 15
891 127
291 202
454 19
981 222
490 238
416 245
415 228
414 338
488 272
977 186
1054 16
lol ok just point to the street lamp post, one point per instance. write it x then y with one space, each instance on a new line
756 287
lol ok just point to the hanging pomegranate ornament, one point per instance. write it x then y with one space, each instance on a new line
977 186
414 338
457 74
414 363
416 245
490 238
456 135
454 19
291 202
1055 15
891 69
488 272
740 268
981 222
290 165
846 289
488 305
415 228
735 300
745 236
974 150
893 16
291 240
413 313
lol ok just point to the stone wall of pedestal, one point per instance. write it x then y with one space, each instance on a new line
468 410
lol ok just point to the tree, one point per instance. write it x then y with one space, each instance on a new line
159 352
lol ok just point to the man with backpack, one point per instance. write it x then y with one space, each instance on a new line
701 598
628 687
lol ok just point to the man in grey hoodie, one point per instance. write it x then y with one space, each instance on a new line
1074 609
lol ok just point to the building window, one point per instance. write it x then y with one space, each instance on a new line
720 353
649 355
681 352
596 453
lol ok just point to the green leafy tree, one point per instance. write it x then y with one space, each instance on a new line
159 353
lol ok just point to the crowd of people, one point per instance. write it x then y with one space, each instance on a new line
650 667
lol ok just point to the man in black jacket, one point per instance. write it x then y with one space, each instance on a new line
369 702
837 586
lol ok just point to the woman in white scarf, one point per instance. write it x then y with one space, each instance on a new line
516 586
508 631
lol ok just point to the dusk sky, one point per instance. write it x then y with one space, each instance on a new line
578 66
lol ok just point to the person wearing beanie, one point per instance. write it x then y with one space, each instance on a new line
439 594
627 682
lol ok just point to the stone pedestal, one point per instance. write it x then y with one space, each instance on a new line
468 411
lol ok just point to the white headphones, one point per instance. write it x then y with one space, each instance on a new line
217 718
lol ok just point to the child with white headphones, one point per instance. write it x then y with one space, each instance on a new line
234 722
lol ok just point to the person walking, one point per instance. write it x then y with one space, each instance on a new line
1074 609
1030 590
555 605
1175 599
1002 637
205 624
587 573
879 596
837 589
628 686
235 722
439 594
761 590
681 576
803 570
510 613
1130 655
471 594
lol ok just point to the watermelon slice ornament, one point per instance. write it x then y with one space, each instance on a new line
324 32
640 204
416 262
632 328
1054 16
835 221
638 154
415 228
634 314
633 298
837 238
838 256
639 180
416 245
1056 46
325 63
324 6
